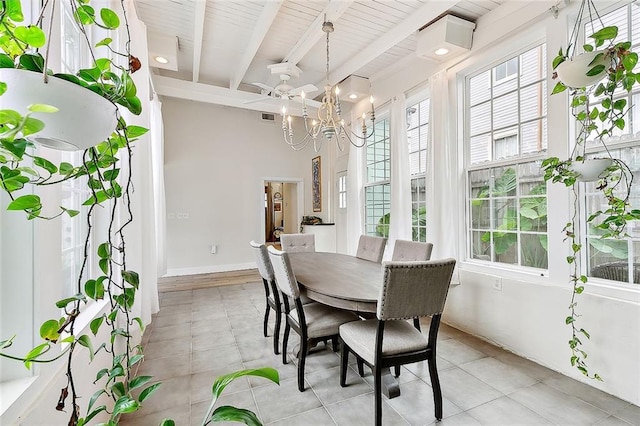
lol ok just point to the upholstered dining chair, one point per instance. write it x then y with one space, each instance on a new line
371 248
406 251
409 289
313 322
296 243
271 292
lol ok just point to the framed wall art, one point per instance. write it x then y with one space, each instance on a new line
316 184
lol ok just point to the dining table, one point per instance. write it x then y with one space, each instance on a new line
344 282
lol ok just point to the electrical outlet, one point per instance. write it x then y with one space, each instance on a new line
214 248
497 283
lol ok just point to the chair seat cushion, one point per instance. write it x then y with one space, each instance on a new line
399 337
323 320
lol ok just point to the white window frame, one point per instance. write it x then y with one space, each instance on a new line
370 228
417 233
498 163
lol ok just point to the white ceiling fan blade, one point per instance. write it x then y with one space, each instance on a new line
260 99
307 88
264 87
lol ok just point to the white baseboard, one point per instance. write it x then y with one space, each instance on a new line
176 272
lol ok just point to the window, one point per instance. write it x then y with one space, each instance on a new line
378 187
506 136
342 191
615 259
418 137
505 70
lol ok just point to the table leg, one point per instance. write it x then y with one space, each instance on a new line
390 385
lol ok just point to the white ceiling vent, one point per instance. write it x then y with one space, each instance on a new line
445 38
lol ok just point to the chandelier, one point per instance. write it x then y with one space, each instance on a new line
329 123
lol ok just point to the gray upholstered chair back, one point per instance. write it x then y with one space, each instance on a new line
296 243
407 251
371 248
414 289
262 259
285 279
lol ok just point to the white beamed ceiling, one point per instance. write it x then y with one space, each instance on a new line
227 44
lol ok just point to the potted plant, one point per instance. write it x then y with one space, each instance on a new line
30 114
609 70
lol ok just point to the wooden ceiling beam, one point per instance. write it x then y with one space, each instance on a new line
198 34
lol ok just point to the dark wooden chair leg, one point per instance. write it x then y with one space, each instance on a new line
396 370
377 390
416 323
302 357
360 366
334 343
285 340
266 319
344 362
435 384
276 332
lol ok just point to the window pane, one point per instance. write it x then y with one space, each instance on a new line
533 65
505 111
533 102
533 136
480 118
480 148
533 250
480 88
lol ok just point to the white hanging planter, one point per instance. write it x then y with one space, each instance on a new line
84 118
591 169
573 71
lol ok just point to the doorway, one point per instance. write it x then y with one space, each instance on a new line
281 206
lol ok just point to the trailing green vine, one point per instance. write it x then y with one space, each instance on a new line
106 168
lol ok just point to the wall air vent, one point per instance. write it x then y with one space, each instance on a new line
267 116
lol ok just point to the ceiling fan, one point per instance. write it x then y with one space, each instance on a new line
284 90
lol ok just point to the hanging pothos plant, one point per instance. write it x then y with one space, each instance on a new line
106 169
609 70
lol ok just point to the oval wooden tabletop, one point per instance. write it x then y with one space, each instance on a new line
338 280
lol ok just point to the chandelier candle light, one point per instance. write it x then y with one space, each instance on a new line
330 122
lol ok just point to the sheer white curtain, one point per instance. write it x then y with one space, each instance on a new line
400 220
442 192
157 165
355 203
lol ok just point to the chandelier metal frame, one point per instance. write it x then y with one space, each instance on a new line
329 124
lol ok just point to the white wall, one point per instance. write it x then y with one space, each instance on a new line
216 159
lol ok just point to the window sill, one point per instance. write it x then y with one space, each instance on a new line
11 390
539 276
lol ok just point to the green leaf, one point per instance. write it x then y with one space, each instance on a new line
147 392
43 108
16 147
118 389
629 61
558 60
64 302
598 69
135 359
569 320
25 202
104 265
109 18
583 331
125 404
6 61
45 164
95 412
606 33
103 251
31 35
139 381
85 14
140 324
35 353
31 126
131 277
101 374
167 422
227 413
111 174
85 341
558 88
95 325
94 398
116 371
104 42
221 382
32 62
13 9
3 88
49 330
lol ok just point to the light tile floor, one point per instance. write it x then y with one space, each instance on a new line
201 334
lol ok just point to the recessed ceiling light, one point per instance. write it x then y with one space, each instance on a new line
353 96
161 60
442 51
